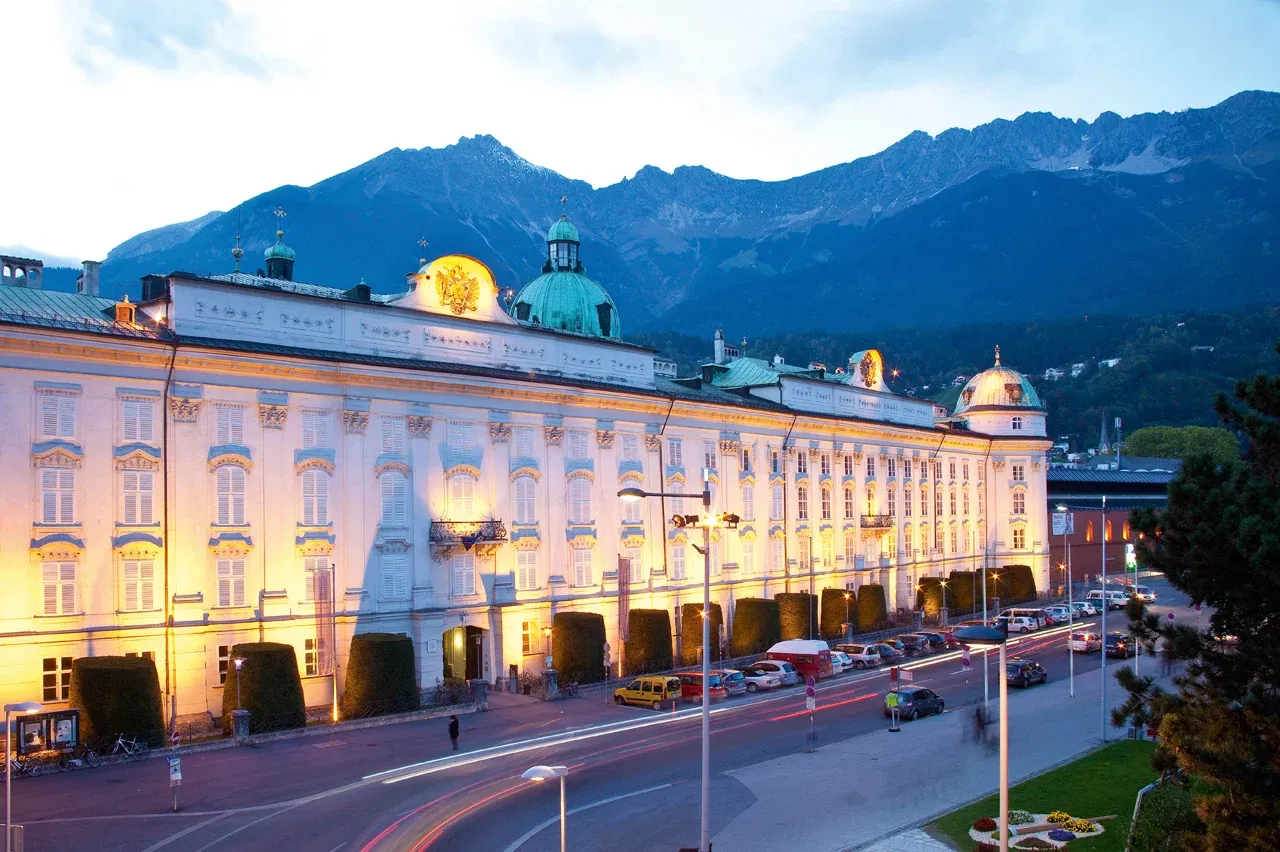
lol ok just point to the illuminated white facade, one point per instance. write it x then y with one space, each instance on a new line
173 480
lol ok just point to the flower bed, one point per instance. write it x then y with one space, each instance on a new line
1065 829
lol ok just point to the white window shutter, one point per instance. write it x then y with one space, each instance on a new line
146 483
322 497
237 586
147 582
308 497
50 579
68 578
66 497
48 416
130 585
146 421
130 420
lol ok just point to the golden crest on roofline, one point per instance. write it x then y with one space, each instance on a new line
870 370
458 291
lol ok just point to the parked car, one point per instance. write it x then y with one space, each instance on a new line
914 702
973 622
1024 612
913 643
735 682
1062 612
1085 643
1019 623
890 653
1119 645
811 657
949 635
656 691
1024 672
756 680
937 641
1111 598
1084 609
841 659
1143 594
862 656
784 671
691 686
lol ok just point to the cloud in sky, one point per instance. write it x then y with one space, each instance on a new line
146 112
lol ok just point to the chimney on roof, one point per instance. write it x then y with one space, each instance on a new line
87 280
126 312
778 360
719 347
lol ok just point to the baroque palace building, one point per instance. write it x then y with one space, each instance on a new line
245 457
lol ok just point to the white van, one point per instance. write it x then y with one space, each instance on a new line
1035 615
1113 598
1144 594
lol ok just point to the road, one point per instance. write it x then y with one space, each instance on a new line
633 780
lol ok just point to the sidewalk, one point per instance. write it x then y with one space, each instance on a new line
848 778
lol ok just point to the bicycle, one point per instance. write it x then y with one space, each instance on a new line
78 757
568 690
129 749
33 765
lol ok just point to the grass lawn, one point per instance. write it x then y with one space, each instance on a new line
1101 783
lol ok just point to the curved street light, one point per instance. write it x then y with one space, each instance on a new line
9 710
549 773
987 637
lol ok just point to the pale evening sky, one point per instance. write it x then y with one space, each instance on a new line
124 115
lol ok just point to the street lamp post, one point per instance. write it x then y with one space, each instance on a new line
239 661
706 522
9 710
1068 524
985 637
848 626
1106 605
546 773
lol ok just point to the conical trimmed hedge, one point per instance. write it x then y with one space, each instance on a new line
270 688
381 676
798 614
873 608
1018 583
691 633
577 646
756 626
117 695
929 596
836 610
649 647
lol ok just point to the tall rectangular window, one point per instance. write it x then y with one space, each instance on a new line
462 497
748 558
906 468
229 420
965 471
826 504
392 431
526 570
395 576
677 561
138 493
526 500
524 442
394 488
230 582
57 416
635 565
893 501
582 566
746 460
464 573
576 441
310 657
871 466
825 465
924 501
230 485
937 470
139 584
775 461
1019 539
748 503
806 554
138 417
630 446
937 502
632 511
59 580
1019 473
224 662
461 438
57 495
529 638
802 461
848 464
315 430
1019 503
850 509
315 497
891 467
953 501
315 572
828 553
966 501
952 469
57 678
709 454
717 557
579 501
777 555
802 503
850 553
775 503
907 497
675 453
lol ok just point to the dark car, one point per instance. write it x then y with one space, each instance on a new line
949 634
890 652
937 641
1024 673
913 642
1118 645
914 702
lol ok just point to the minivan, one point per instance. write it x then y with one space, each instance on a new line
1034 614
811 657
863 656
654 691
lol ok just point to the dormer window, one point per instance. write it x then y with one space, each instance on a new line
1016 425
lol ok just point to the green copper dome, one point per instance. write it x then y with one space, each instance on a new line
568 301
279 250
562 229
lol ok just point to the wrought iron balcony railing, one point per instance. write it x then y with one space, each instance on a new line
467 533
877 521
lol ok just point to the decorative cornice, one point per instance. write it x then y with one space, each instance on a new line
354 422
580 536
230 454
553 434
137 545
526 470
675 477
605 438
419 425
314 541
747 477
57 454
631 476
499 433
526 542
466 469
224 542
653 443
747 533
400 465
314 459
184 409
58 546
581 473
729 446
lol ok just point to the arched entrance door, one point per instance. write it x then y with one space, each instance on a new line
464 652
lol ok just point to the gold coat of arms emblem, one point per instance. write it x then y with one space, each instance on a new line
458 291
870 370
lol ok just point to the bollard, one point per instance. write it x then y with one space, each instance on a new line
240 726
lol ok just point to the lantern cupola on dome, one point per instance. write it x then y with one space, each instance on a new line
564 298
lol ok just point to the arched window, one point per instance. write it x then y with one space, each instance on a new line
893 501
315 497
748 503
953 501
966 501
1108 531
631 511
802 503
826 504
1126 531
462 497
395 498
849 508
775 503
907 508
527 500
924 500
1088 531
871 500
230 480
579 501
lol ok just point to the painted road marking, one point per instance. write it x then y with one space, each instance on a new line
531 832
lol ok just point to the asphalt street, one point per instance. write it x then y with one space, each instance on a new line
633 782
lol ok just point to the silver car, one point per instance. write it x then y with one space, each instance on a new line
784 671
757 681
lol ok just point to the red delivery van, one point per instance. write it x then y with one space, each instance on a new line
811 657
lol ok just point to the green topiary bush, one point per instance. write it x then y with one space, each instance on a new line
691 633
1018 583
381 676
873 608
798 615
649 647
756 626
577 646
269 687
117 695
961 586
929 596
836 610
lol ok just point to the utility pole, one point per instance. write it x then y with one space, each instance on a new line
1106 605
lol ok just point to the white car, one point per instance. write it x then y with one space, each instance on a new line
1019 623
862 656
1084 609
757 681
1058 613
1144 594
1085 643
840 662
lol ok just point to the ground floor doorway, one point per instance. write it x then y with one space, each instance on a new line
464 653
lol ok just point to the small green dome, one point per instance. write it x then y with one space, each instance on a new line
568 301
279 250
563 229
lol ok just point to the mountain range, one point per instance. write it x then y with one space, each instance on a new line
1033 218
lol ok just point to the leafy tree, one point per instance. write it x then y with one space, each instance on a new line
1218 540
1176 442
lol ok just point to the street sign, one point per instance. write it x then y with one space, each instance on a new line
809 681
1130 556
893 675
811 703
1064 523
547 660
1171 616
905 675
175 772
810 691
966 662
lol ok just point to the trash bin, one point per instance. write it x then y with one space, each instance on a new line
480 694
240 725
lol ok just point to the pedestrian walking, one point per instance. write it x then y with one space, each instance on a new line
453 731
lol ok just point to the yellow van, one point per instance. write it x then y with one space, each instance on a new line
656 691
